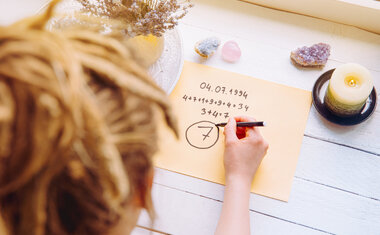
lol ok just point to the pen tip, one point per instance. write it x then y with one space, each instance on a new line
264 124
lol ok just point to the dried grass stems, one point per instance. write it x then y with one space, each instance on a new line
77 129
141 17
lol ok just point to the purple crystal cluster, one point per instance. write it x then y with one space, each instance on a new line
316 55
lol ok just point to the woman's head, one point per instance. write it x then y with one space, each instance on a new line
77 130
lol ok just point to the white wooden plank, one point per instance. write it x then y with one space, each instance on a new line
365 136
180 212
310 204
340 167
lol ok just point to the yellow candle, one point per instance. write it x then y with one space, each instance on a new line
348 89
148 48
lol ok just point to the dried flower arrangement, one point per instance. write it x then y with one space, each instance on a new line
141 17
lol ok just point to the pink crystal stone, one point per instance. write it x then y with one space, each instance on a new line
231 51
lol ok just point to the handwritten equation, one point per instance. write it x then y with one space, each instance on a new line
213 104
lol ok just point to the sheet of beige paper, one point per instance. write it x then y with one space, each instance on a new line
206 95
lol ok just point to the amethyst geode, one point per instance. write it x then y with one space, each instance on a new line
316 55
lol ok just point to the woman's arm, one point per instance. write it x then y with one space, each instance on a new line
244 150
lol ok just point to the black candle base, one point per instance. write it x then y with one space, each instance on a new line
319 91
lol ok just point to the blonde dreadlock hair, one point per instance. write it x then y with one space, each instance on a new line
77 129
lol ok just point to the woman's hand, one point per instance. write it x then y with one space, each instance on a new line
244 150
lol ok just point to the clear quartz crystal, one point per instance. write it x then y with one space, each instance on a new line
207 47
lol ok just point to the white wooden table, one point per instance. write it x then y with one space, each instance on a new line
336 188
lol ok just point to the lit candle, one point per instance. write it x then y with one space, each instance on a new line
348 89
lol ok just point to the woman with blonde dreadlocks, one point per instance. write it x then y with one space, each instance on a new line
77 132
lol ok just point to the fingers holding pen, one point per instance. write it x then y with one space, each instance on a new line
245 132
243 156
230 131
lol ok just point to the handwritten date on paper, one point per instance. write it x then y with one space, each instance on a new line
223 90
